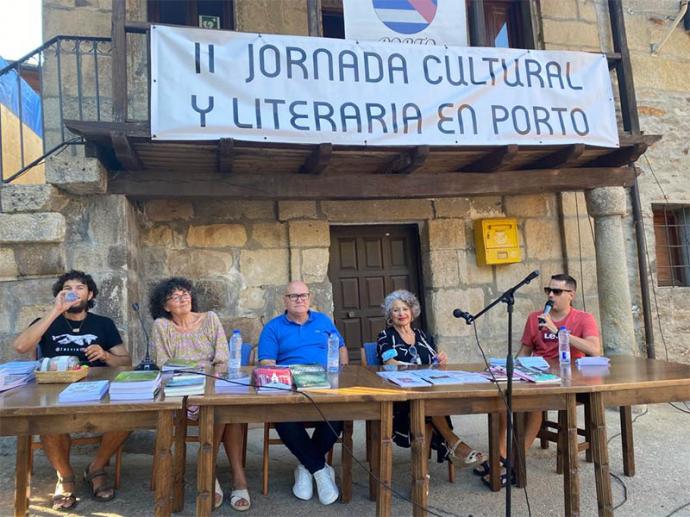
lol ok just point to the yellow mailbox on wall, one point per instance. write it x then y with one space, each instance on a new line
496 241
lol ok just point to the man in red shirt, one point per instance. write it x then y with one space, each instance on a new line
540 338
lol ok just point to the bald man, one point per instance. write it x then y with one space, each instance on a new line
300 336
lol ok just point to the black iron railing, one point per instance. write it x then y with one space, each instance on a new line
74 81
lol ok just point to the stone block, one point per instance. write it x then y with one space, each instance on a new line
587 11
558 9
252 300
486 206
378 210
217 236
309 234
579 244
40 259
508 275
536 205
475 274
160 235
89 22
38 227
168 210
31 198
195 264
542 239
272 16
29 313
264 267
314 265
8 264
657 73
249 327
637 31
446 234
443 269
296 210
217 210
452 207
77 175
574 204
117 257
269 235
211 295
566 32
86 256
112 299
442 303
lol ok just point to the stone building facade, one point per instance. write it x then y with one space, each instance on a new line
241 253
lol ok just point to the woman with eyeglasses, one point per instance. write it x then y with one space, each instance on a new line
401 343
180 331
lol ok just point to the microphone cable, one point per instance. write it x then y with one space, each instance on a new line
325 419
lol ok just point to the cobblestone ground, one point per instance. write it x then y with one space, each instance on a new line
662 482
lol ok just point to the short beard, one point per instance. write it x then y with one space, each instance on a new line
77 309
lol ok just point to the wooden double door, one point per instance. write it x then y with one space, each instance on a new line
366 264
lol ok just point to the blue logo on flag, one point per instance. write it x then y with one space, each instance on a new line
405 16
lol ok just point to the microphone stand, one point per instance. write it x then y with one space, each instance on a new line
146 364
508 297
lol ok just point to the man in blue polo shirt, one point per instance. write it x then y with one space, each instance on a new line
300 336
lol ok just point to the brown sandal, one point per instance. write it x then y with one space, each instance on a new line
97 493
64 501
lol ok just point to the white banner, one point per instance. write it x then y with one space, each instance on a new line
420 22
207 85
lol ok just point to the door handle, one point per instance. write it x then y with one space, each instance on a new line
350 314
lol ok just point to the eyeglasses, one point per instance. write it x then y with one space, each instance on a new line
298 297
179 298
556 291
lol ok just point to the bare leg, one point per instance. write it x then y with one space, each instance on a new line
233 439
454 441
532 426
502 429
57 448
110 442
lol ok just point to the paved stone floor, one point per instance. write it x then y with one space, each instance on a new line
662 482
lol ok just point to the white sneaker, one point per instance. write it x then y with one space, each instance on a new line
304 486
325 485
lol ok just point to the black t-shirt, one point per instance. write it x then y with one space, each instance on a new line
62 337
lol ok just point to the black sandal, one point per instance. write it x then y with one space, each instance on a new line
97 492
64 501
483 469
486 479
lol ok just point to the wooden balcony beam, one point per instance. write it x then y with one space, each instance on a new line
561 158
407 161
317 161
125 152
494 160
226 153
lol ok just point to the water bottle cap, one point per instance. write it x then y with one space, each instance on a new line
563 328
236 331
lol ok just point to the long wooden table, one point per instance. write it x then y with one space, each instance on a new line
34 409
361 395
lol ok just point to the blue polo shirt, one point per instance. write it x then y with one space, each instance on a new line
288 342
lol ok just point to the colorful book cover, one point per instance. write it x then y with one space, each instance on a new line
88 391
404 379
180 364
137 376
272 379
309 376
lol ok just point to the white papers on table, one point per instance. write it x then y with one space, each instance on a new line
427 377
592 361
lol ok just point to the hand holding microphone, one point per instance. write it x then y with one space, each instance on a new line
545 319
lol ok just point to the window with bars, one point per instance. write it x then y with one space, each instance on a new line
672 238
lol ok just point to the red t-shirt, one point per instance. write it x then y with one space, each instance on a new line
545 344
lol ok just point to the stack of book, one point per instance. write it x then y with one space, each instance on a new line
184 385
16 373
309 376
272 379
88 391
233 382
135 385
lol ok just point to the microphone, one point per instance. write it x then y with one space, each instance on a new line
534 274
146 363
459 313
547 309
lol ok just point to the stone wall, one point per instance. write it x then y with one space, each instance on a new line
662 85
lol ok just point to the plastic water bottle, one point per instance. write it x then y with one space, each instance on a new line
235 351
333 352
563 346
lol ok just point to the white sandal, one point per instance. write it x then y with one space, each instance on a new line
238 495
472 458
218 496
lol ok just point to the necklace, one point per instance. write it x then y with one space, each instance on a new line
71 328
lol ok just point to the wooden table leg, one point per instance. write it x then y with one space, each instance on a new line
163 495
205 461
22 491
571 482
600 455
627 439
518 461
346 462
374 452
383 503
494 451
180 459
420 466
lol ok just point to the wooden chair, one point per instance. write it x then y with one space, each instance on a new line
369 357
87 440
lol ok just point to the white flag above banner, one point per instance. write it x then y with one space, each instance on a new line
421 22
207 85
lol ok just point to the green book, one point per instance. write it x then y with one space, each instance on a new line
180 365
137 376
309 376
